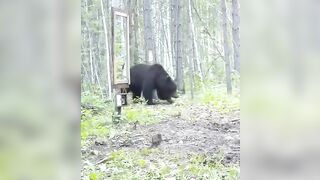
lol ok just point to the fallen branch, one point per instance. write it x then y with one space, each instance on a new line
103 160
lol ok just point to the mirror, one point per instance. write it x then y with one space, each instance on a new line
121 63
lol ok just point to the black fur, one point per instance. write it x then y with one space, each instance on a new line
147 78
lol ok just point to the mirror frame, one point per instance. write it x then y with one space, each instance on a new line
125 83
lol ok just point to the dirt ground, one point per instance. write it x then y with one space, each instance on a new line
197 130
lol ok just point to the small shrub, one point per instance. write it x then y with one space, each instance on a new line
219 98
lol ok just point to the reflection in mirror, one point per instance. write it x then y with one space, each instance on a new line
120 50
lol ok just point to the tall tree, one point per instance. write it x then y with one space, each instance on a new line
150 53
178 57
172 37
168 28
106 48
236 34
226 46
195 57
134 48
191 76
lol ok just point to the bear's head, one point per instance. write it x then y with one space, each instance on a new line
166 87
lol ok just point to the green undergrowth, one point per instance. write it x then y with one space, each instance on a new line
96 122
96 113
146 115
218 98
96 116
153 164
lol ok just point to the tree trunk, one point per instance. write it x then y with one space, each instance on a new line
191 71
172 36
150 54
236 34
91 58
226 47
179 65
98 80
107 55
169 42
194 43
133 31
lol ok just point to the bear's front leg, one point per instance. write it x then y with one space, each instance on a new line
170 100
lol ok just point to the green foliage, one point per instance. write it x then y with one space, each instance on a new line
144 114
141 113
91 94
128 164
95 115
197 82
148 163
218 97
93 176
96 176
209 168
94 126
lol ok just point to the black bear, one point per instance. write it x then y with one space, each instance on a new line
146 79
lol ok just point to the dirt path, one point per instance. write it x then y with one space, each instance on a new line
198 130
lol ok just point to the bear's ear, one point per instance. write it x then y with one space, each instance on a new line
168 77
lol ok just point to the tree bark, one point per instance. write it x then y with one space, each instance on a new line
169 42
150 54
194 43
179 65
236 34
98 80
91 58
107 55
226 47
191 71
172 36
133 31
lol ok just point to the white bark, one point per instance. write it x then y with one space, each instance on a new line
191 71
148 33
179 65
194 43
91 59
106 48
98 80
226 47
236 34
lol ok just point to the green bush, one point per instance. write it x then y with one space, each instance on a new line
218 98
96 115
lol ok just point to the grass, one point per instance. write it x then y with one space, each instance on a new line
97 120
152 164
139 164
219 99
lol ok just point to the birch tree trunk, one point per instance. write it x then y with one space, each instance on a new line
172 37
91 59
194 43
179 65
191 71
150 54
98 80
236 34
167 42
133 30
226 46
168 39
107 55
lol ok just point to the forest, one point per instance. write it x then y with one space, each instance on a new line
198 44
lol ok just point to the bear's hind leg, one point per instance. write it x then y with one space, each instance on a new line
147 91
